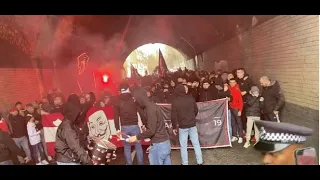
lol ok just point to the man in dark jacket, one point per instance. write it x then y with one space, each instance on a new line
184 110
19 132
125 111
273 98
151 95
68 148
245 84
80 122
194 90
160 151
208 92
254 104
7 147
168 95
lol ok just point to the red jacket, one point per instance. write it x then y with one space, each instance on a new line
4 126
237 102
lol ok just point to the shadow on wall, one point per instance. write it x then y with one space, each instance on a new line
221 65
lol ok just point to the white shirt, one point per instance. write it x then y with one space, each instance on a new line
34 136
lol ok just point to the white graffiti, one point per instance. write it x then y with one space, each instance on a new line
168 125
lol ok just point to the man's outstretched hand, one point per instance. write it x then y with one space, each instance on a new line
175 131
26 160
132 139
143 128
119 134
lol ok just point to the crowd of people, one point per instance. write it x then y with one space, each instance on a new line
22 131
246 102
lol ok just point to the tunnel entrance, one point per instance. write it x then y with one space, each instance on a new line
145 58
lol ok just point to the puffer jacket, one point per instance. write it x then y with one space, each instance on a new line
68 147
253 105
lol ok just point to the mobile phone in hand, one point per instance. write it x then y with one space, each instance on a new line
306 156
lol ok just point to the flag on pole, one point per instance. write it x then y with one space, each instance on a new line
133 71
162 68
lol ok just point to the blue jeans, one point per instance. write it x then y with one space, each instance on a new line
229 124
237 128
159 153
70 163
183 138
8 162
43 142
38 152
23 143
132 131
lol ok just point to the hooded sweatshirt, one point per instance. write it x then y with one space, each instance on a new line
68 148
237 102
184 109
125 111
156 130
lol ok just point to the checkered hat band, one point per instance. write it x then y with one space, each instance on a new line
282 137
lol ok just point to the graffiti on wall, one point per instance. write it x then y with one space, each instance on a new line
83 60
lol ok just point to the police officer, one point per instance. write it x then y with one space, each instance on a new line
279 141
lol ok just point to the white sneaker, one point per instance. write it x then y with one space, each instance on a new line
240 140
44 162
49 158
39 163
246 145
234 139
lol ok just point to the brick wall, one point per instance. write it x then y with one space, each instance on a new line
21 84
285 48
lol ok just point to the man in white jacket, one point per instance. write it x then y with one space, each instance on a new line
35 141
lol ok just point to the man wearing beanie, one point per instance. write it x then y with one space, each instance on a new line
254 103
125 111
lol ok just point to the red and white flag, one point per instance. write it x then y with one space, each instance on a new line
100 123
50 124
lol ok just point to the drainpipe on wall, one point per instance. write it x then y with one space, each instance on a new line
195 60
36 62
